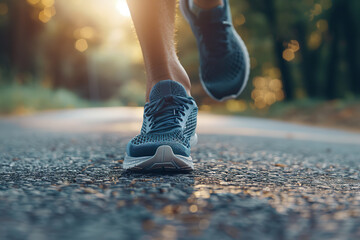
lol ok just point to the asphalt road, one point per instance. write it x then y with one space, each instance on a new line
61 177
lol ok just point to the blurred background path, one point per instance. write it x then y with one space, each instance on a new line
61 177
129 120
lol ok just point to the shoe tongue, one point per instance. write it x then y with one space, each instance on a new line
165 88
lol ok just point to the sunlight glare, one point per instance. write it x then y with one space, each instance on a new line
122 8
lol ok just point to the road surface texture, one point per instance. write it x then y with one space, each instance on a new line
61 177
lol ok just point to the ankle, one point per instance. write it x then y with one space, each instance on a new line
208 4
170 70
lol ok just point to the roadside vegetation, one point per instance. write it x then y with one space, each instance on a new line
340 113
304 58
20 99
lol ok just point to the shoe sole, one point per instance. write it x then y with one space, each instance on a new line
164 160
244 49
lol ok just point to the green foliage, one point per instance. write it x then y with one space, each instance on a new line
21 99
132 94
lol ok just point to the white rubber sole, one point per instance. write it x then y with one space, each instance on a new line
246 55
164 160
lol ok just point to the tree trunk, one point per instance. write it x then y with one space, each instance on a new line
309 63
270 14
332 69
352 42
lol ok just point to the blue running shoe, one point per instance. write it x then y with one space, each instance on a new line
167 133
224 59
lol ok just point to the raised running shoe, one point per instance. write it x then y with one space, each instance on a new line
224 59
167 133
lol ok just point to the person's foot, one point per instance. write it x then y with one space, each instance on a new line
167 133
224 59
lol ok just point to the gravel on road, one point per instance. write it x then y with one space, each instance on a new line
72 186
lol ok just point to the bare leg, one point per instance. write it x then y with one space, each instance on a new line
154 22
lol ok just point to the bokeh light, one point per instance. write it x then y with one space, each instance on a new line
123 9
289 53
322 25
33 2
48 3
315 40
236 105
81 45
266 91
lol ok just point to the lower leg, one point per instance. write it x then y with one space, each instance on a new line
154 22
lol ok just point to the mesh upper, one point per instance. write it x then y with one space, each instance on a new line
191 124
232 67
229 75
167 87
176 136
179 136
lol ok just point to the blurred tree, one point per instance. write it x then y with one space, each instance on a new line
269 10
19 41
328 41
344 46
352 34
312 46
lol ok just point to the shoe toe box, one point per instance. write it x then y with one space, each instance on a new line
147 144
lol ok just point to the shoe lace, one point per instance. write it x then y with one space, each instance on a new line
214 41
166 113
